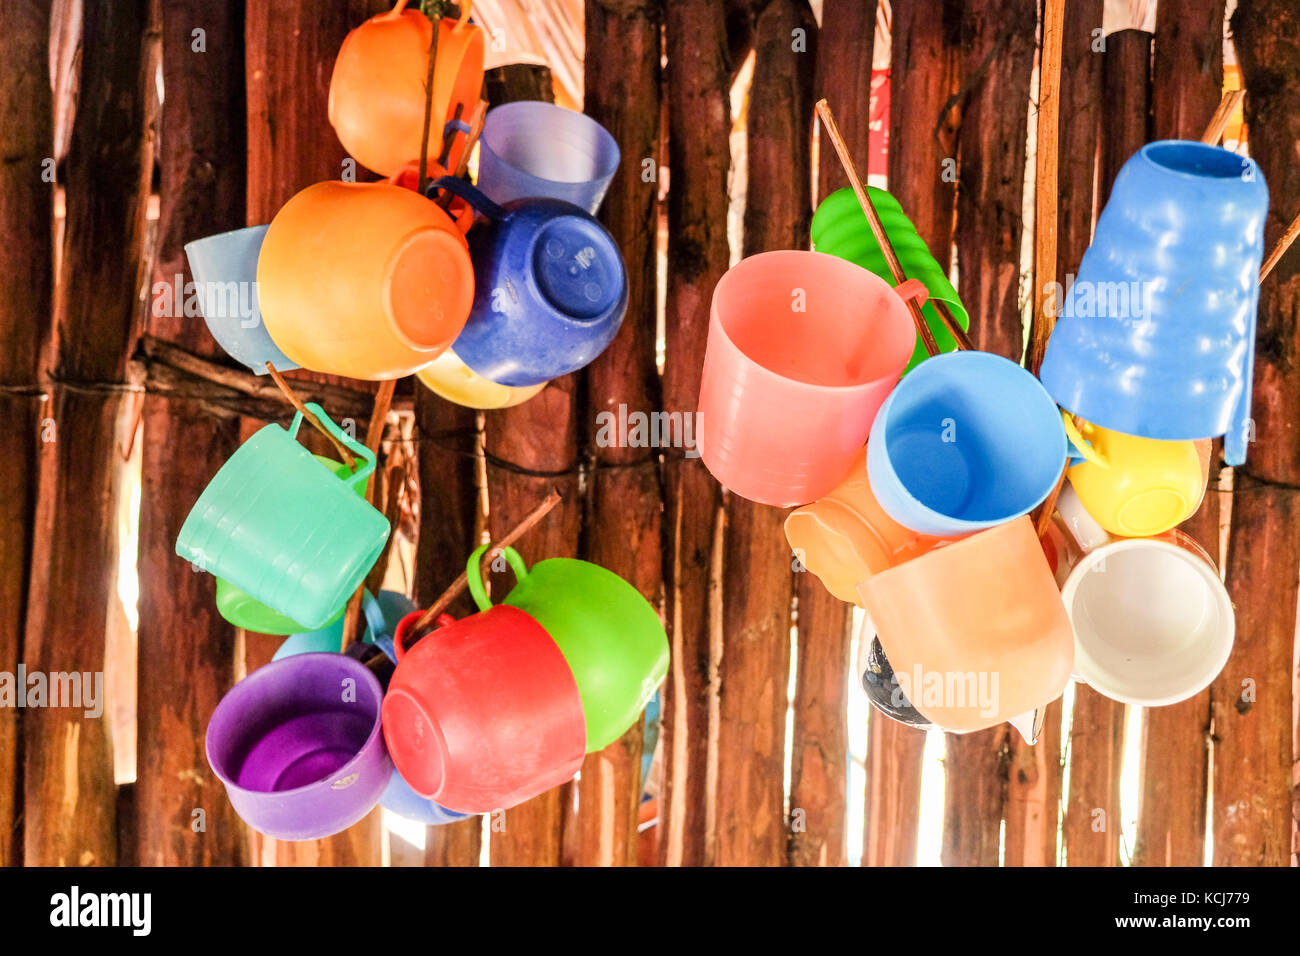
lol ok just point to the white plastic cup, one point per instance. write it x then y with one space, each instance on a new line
1153 624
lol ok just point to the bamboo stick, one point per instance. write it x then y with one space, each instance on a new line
1219 122
1279 250
873 220
292 398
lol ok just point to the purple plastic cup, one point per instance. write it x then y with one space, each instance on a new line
299 746
532 149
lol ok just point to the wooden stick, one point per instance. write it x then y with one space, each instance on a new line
475 131
374 434
1045 180
1280 249
292 397
873 219
1219 122
953 326
444 601
428 102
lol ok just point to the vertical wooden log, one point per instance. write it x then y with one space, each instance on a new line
893 798
623 526
844 78
1187 67
1091 829
536 450
998 38
923 76
819 761
1252 698
289 56
699 118
447 435
183 641
539 436
69 787
750 824
1186 82
27 275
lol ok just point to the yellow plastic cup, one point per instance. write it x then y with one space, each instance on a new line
450 378
1137 487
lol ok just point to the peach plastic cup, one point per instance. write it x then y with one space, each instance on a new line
845 536
803 347
975 629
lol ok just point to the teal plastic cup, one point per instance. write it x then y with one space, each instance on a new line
284 530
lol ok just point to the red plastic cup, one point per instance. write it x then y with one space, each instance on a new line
803 348
483 713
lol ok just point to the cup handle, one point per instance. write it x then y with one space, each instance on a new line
374 615
913 289
471 195
404 627
1082 449
398 9
465 7
358 449
1083 527
474 572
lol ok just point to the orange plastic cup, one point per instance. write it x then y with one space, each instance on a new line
367 280
975 629
803 347
377 90
846 536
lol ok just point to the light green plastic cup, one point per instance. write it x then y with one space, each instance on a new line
285 531
252 615
840 228
609 634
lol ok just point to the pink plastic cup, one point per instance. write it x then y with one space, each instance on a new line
803 348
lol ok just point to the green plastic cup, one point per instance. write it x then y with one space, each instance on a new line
252 615
285 531
609 634
840 228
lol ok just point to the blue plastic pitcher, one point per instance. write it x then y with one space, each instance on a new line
1157 335
965 441
550 289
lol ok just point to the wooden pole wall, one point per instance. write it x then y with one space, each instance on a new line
751 825
1187 77
182 640
27 276
69 783
1091 829
699 117
998 39
447 437
924 76
844 60
289 55
623 529
1253 696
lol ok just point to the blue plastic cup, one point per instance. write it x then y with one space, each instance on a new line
966 441
225 276
550 289
530 149
1157 334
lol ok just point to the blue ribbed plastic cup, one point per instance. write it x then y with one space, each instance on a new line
532 149
225 276
1157 334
